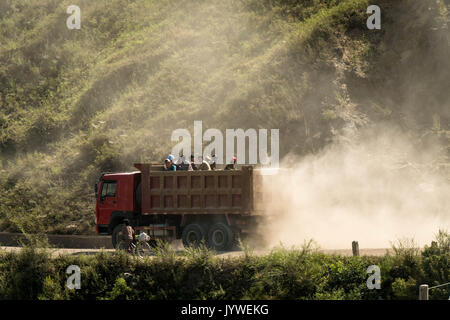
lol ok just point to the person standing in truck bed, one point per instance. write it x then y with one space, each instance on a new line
212 161
183 164
193 165
204 165
231 166
169 166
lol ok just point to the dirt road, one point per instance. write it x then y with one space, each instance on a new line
344 252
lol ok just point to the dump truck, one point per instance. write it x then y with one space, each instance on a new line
215 207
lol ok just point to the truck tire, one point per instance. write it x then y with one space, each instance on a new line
220 237
115 234
192 235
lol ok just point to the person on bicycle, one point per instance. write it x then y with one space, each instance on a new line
127 234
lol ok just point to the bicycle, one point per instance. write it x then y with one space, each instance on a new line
138 247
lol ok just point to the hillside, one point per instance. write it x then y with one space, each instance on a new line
75 103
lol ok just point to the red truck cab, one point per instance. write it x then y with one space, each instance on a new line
115 192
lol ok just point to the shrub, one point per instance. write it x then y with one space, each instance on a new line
24 273
120 291
436 265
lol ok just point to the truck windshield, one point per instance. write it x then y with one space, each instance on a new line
109 189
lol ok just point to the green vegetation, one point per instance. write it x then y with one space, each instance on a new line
75 103
302 273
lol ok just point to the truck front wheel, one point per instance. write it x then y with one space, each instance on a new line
220 237
192 235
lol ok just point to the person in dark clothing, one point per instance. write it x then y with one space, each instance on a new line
193 165
183 164
169 166
231 166
204 165
212 162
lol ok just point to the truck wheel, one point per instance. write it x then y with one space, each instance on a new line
220 237
116 234
192 235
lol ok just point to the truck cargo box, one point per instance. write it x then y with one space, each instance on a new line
199 192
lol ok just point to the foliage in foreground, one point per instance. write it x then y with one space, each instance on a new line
295 273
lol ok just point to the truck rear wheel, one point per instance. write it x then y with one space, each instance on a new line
192 235
220 237
115 237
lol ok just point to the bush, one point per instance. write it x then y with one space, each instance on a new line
436 265
120 291
24 273
405 289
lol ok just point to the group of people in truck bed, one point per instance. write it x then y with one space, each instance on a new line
209 163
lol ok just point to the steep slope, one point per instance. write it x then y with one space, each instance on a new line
75 103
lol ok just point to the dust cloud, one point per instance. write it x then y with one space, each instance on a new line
375 188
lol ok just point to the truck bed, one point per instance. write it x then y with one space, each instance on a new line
199 192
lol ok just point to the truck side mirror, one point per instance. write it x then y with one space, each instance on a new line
96 188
